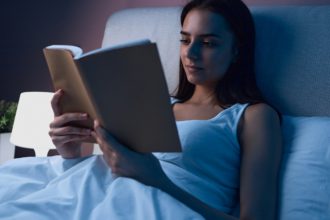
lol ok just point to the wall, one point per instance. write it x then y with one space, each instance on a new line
28 26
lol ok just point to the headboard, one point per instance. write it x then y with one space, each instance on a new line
292 51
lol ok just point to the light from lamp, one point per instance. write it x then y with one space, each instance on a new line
31 125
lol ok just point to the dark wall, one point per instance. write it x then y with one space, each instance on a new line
29 26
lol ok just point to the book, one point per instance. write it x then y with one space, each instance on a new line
123 86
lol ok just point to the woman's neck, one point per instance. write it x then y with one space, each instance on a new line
203 96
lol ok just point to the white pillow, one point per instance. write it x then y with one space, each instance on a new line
305 173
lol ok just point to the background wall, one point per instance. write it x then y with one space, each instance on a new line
28 26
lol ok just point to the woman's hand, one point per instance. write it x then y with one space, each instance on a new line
143 167
68 139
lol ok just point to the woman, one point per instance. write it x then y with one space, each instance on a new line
231 139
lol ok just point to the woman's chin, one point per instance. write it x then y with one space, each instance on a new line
195 81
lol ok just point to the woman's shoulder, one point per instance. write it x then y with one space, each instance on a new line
260 109
260 125
258 117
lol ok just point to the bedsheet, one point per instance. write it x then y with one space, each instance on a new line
57 188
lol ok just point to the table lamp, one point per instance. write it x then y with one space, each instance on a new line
31 125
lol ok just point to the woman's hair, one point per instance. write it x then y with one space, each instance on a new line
239 83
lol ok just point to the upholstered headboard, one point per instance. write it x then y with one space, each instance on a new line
293 58
292 51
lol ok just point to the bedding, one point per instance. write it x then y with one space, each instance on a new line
305 172
84 188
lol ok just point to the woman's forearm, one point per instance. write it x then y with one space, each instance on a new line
192 202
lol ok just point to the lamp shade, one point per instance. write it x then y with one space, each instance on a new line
31 125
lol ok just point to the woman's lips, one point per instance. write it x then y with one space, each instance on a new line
191 68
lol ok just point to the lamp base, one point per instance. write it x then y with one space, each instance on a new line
23 152
7 149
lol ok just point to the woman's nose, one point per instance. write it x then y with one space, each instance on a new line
193 52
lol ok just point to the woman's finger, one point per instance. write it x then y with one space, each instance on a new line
69 130
61 120
55 102
69 138
105 137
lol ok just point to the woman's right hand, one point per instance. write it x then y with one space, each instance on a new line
68 139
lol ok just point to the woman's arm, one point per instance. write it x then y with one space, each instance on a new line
261 146
146 169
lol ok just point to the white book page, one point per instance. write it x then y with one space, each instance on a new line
75 51
118 46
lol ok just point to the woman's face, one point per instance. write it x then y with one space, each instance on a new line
207 47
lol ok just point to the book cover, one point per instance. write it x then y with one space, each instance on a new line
124 87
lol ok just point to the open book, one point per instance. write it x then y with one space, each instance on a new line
123 86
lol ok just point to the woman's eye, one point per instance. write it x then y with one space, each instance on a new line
208 43
184 41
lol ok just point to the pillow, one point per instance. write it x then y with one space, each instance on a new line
305 172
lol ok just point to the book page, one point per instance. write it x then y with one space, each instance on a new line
74 50
118 46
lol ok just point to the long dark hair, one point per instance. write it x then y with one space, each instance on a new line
239 83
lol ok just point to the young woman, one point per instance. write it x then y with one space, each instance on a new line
231 140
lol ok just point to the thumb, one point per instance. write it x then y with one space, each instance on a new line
100 133
105 137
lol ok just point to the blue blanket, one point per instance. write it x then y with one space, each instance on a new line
55 188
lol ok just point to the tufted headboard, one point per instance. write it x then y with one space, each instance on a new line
292 51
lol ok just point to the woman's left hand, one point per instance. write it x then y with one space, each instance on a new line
143 167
